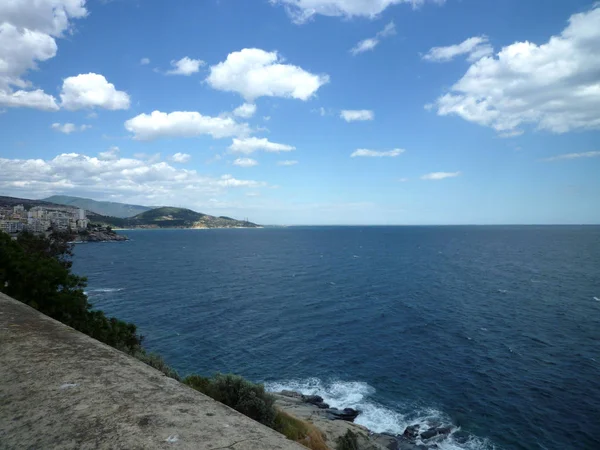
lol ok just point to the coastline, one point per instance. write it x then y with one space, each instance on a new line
312 409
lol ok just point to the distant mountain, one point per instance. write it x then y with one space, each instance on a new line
112 209
27 203
168 217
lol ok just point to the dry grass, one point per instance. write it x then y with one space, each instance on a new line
300 431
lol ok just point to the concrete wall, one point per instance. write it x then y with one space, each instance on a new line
60 389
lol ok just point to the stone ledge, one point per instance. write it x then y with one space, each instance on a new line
60 389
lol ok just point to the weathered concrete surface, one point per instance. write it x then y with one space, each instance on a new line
60 389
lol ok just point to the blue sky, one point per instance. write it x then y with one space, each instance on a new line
307 111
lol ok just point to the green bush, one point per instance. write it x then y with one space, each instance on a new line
299 431
242 395
349 441
156 361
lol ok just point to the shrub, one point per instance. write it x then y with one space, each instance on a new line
299 431
242 395
156 361
349 441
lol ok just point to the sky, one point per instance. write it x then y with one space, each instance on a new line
388 112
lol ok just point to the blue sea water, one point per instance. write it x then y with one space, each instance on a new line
495 330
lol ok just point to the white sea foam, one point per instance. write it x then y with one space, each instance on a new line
375 416
103 290
597 299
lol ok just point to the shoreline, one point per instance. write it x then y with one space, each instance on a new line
313 409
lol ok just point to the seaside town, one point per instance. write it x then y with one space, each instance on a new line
42 219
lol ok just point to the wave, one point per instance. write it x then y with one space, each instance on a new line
102 290
377 417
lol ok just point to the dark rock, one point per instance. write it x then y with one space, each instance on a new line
433 432
411 433
316 400
347 414
291 394
312 399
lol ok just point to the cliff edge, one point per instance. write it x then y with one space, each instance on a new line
62 389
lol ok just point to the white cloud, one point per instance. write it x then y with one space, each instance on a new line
253 144
554 86
245 162
287 163
302 10
135 180
28 32
185 66
357 115
362 152
68 128
37 99
111 154
573 156
145 61
245 111
440 175
181 158
475 47
370 43
183 124
91 90
254 73
403 180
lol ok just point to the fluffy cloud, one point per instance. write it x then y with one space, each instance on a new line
302 10
185 66
554 86
129 178
361 152
370 43
28 32
287 163
440 175
68 128
254 73
357 115
245 111
145 61
253 144
37 99
111 154
183 124
573 156
91 90
476 48
181 158
245 162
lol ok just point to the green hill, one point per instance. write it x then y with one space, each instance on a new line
169 217
112 209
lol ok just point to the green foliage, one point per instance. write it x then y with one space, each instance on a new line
242 395
299 431
199 383
349 441
156 361
37 271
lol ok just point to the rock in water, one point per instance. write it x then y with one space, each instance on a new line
433 432
348 414
316 400
411 433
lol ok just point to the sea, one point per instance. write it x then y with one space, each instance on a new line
492 329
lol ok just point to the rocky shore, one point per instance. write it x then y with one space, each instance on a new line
335 423
98 234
